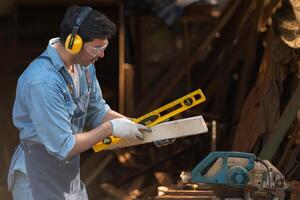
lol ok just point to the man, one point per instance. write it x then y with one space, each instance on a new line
56 96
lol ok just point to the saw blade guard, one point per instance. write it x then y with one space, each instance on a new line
229 168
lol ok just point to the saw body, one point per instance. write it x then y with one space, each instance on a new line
239 174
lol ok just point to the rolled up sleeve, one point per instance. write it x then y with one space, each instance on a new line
51 119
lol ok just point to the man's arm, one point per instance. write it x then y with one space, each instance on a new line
86 140
119 127
52 123
111 114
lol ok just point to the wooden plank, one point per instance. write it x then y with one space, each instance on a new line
291 173
247 71
170 197
129 88
65 2
186 48
113 191
230 44
173 129
269 10
121 58
282 126
147 192
97 169
261 106
190 192
163 178
176 192
136 184
162 88
213 135
285 157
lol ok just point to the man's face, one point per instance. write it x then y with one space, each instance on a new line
91 52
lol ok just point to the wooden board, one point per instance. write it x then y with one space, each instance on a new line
168 130
185 191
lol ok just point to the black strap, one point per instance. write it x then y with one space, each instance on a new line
88 78
82 15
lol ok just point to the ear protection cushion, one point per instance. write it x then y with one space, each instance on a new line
77 44
74 43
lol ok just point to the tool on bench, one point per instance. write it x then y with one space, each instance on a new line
157 116
240 175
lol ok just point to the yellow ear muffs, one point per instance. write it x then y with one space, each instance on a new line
77 44
74 42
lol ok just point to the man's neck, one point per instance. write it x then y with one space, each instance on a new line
65 56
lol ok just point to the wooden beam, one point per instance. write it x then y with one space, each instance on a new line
113 191
246 75
270 7
159 91
163 178
121 58
171 197
285 157
190 192
65 2
97 169
280 129
129 88
259 102
230 43
167 130
136 184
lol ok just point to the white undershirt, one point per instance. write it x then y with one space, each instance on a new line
75 74
75 77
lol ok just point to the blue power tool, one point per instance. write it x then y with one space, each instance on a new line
239 171
229 168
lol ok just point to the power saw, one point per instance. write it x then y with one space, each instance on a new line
239 174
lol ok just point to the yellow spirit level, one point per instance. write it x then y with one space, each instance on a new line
159 115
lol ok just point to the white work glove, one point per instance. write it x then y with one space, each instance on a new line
124 128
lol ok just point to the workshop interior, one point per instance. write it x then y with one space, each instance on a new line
217 81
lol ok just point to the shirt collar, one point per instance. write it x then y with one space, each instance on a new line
52 53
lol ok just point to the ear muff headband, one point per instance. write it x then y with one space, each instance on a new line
74 42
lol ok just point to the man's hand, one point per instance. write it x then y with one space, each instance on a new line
124 128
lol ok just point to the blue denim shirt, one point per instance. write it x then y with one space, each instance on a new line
44 105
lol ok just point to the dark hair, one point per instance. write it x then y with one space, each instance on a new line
95 26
